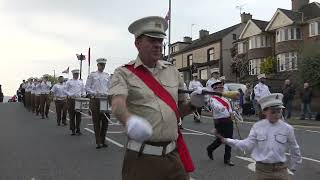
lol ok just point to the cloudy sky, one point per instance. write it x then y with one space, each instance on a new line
43 36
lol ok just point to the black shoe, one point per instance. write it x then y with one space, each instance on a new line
79 133
98 146
104 145
64 124
47 116
42 117
209 153
197 121
58 124
229 163
73 134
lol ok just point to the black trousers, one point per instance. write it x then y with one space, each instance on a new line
225 129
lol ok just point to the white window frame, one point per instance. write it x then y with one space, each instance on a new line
212 55
315 27
203 73
255 66
287 61
287 31
259 41
241 48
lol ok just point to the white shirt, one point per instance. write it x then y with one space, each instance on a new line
218 109
194 84
74 88
28 87
268 143
33 88
261 90
98 83
45 87
58 91
38 89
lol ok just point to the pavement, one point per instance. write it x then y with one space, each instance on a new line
37 149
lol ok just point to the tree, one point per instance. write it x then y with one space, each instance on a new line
309 65
51 78
269 66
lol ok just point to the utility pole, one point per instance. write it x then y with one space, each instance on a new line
81 57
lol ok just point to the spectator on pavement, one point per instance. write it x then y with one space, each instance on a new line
288 92
1 95
306 97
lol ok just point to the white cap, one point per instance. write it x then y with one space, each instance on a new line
272 100
75 71
195 74
215 70
215 82
222 78
152 26
101 60
261 76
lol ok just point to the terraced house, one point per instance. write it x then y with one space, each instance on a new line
210 52
283 38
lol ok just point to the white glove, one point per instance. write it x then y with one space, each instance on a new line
138 128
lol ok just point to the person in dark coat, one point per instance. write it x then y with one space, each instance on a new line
306 97
288 92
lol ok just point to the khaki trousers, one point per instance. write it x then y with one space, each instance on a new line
75 117
61 108
33 102
100 122
148 167
37 103
271 172
28 100
44 104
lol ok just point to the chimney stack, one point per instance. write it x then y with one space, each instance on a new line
245 17
203 33
187 39
297 4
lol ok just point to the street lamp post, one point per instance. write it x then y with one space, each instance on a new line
81 58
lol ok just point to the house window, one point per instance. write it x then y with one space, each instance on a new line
255 66
174 49
314 28
210 54
287 61
287 34
190 59
234 36
203 74
259 41
242 47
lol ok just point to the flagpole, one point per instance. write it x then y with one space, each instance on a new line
169 38
89 54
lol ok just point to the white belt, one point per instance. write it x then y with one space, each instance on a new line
151 150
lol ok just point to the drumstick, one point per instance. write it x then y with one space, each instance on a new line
227 94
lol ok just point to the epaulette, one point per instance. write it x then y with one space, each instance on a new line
166 62
129 63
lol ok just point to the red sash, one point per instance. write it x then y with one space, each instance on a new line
224 103
166 97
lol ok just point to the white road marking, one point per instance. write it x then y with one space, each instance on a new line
199 132
108 139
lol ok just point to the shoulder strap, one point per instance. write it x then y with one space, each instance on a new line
155 86
223 102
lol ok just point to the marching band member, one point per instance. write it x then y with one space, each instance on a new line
37 96
28 88
33 97
194 85
97 87
222 111
260 90
44 97
74 89
60 99
269 140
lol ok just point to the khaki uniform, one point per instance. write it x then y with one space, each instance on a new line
44 98
143 102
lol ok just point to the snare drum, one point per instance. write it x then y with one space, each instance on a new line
104 105
81 104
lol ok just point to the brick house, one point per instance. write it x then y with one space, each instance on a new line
208 52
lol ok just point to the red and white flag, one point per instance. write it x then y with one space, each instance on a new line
167 18
66 71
